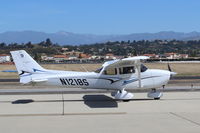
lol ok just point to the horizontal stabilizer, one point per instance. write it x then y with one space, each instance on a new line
39 80
28 79
25 79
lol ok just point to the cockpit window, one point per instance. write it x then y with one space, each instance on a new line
122 70
110 71
126 70
98 70
143 68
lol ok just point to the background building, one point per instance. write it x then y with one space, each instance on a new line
4 58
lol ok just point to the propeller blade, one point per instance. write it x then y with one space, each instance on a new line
172 74
169 68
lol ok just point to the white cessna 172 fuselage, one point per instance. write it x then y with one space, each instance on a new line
116 75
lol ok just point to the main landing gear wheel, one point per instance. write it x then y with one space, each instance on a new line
122 95
157 98
155 94
126 100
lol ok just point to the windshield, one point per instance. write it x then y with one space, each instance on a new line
98 70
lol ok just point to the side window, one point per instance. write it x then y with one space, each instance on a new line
110 71
126 70
143 68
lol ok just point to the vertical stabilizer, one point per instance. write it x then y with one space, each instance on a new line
25 65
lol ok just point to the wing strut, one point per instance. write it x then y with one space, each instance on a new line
138 69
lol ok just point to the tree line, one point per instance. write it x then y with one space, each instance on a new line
121 48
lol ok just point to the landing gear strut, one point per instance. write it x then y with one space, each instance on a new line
155 94
122 95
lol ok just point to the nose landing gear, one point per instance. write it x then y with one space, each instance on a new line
155 94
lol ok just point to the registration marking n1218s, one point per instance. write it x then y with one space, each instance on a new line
74 82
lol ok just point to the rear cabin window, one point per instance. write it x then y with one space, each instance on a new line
110 71
127 70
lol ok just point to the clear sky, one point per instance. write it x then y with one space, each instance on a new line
100 16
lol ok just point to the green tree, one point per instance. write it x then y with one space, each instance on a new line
29 45
48 42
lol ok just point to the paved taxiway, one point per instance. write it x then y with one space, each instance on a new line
94 112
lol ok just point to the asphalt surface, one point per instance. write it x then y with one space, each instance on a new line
175 112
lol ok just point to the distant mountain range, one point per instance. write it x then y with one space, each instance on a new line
64 38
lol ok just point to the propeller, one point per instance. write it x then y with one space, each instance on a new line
169 68
171 73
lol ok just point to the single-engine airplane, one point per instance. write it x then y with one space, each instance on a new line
116 75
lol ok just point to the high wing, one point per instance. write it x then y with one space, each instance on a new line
136 61
126 61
